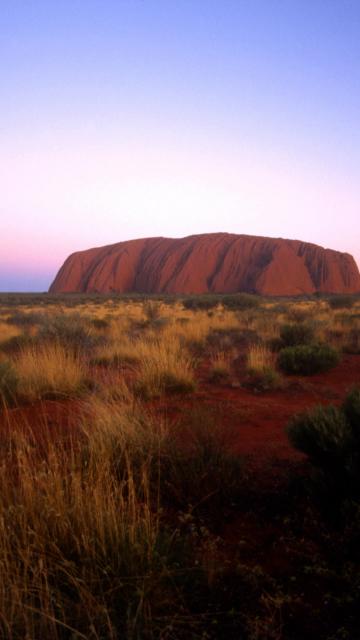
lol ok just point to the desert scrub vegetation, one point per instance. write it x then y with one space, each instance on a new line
81 552
85 550
292 335
8 383
329 436
164 366
220 366
200 472
261 367
308 359
341 302
49 370
73 331
188 462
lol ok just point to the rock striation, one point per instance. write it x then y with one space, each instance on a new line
209 263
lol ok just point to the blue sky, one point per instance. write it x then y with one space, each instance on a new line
128 119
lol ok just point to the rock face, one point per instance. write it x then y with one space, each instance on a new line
213 262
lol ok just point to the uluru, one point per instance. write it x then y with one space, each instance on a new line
209 263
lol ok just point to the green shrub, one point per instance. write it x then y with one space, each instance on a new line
100 323
351 408
292 335
240 301
323 433
352 344
341 302
152 310
199 469
201 302
23 319
17 343
8 382
71 331
330 437
267 379
308 359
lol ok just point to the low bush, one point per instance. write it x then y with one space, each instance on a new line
72 331
203 302
352 342
220 367
16 343
330 437
100 323
341 302
8 383
267 379
165 367
152 310
199 471
49 371
323 433
23 319
308 359
292 335
240 301
351 408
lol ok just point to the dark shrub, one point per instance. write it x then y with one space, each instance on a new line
203 302
353 342
100 323
323 433
351 408
152 310
225 338
72 330
308 359
199 469
16 343
23 319
240 301
341 302
292 335
299 315
8 382
330 436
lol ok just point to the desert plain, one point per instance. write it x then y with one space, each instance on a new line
179 466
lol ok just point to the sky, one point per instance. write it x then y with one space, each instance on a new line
126 119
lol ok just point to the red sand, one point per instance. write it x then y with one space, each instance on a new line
257 420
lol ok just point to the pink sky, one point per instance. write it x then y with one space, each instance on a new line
132 119
65 191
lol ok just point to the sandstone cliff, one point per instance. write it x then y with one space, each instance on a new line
213 262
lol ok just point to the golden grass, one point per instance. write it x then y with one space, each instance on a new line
117 351
259 358
8 331
49 369
220 365
165 365
68 525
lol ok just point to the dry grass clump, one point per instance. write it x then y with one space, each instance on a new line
8 331
220 366
165 366
260 366
123 350
8 383
341 331
78 545
49 370
259 357
83 549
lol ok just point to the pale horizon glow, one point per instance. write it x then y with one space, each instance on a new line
127 120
